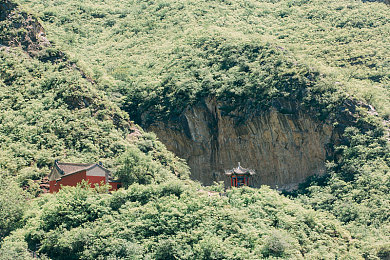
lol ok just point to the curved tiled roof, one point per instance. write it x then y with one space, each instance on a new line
68 168
64 169
240 171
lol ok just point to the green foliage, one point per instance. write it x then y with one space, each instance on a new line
12 206
277 244
72 208
173 53
155 58
47 113
147 162
139 168
51 110
15 247
358 187
174 221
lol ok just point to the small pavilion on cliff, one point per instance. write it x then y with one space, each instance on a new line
239 176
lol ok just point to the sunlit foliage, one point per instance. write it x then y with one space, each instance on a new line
50 110
155 58
163 55
174 221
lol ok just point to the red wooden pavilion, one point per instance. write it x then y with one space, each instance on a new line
239 176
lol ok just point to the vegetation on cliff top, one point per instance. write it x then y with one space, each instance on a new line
173 54
162 56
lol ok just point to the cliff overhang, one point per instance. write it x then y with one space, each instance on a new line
284 143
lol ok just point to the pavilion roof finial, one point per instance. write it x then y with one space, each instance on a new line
239 170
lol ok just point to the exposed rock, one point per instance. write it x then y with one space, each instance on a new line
381 1
283 148
28 32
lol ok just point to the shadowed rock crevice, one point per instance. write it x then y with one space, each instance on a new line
283 144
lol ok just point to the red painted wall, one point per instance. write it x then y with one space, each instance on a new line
96 179
73 179
53 188
69 180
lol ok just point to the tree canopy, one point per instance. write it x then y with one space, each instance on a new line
69 97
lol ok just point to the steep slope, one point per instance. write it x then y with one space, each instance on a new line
44 94
284 148
161 40
50 110
311 56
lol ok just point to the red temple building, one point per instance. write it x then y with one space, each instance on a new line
70 174
239 176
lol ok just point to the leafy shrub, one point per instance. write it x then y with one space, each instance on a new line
12 206
145 221
277 245
266 49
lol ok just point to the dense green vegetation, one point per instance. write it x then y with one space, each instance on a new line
174 221
154 58
50 111
12 204
357 189
164 55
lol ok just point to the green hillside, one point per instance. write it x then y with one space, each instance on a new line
49 111
162 56
70 94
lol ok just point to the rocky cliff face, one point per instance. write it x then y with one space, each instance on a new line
283 148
